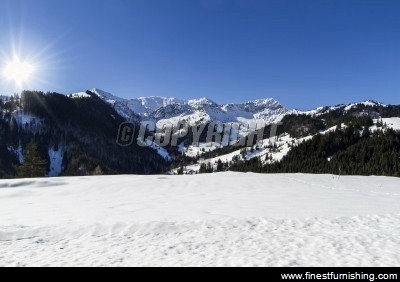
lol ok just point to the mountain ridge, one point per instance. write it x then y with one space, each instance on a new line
146 106
157 107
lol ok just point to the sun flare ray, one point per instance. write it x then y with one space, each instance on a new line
30 64
19 71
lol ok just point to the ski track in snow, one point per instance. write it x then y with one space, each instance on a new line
224 219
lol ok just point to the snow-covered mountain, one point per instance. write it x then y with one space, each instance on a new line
203 109
247 117
195 110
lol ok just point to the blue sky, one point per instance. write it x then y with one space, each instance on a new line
302 53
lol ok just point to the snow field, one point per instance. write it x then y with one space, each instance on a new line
223 219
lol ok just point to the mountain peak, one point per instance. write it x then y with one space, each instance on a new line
201 102
104 95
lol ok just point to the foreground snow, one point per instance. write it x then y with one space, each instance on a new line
219 219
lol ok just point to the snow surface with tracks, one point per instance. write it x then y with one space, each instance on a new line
222 219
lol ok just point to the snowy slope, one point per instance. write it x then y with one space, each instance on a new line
56 158
230 219
263 149
393 122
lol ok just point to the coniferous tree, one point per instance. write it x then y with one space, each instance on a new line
34 165
180 170
220 166
97 171
203 168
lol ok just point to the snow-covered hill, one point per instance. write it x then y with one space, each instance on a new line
224 219
344 107
263 149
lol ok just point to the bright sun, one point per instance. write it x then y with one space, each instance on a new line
18 71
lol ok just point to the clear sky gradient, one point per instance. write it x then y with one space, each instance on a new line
303 53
